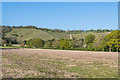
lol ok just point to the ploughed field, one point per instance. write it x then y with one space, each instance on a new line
45 63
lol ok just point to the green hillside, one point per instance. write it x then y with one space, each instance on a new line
83 34
74 39
26 34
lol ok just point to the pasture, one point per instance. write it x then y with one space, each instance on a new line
46 63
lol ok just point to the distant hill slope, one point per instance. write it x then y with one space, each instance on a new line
26 34
83 34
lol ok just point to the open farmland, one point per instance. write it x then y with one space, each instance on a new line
45 63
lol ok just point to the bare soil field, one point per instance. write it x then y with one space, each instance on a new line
46 63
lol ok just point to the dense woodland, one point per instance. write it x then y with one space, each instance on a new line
109 42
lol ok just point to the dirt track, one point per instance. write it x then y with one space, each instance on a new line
54 60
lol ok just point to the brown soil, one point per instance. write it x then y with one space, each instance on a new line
27 62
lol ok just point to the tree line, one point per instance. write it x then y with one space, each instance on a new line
111 42
9 28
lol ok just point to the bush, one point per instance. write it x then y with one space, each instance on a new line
37 43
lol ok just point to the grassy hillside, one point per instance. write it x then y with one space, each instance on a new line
83 34
26 34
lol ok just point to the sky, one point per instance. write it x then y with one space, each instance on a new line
61 15
60 0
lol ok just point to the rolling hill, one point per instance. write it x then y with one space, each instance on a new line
26 34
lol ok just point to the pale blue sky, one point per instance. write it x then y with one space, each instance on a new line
60 0
61 15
